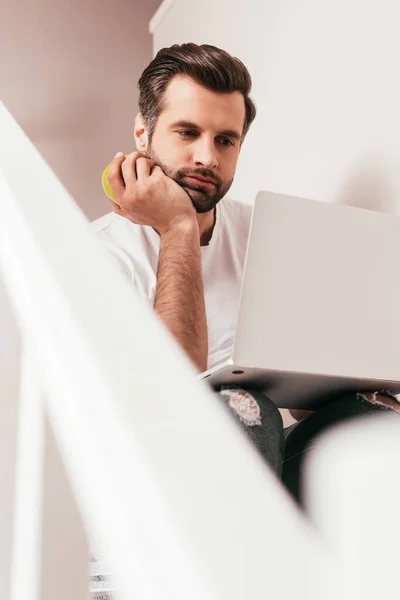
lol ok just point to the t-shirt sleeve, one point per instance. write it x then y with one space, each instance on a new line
123 259
118 257
125 266
121 262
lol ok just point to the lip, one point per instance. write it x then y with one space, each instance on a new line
201 181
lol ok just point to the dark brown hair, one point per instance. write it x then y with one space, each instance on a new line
207 65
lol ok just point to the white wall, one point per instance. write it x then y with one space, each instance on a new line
327 88
68 74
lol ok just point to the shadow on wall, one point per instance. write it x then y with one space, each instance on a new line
371 184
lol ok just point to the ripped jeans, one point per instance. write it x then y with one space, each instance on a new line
285 449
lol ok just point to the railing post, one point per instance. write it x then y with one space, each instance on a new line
26 555
65 563
9 377
49 547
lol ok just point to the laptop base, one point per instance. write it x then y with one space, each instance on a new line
293 390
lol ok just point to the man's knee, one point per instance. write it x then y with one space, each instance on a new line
262 422
251 407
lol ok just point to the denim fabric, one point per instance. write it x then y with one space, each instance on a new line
285 449
302 436
266 431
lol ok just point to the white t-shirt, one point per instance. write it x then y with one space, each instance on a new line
136 249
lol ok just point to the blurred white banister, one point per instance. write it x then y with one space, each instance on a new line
26 541
353 493
9 392
170 492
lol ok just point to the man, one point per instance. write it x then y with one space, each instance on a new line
182 243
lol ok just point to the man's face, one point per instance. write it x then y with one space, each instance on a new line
198 134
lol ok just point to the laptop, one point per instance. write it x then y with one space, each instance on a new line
319 311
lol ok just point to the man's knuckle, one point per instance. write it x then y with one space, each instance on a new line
145 185
131 193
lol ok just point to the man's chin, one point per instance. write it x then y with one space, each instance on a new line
200 200
194 193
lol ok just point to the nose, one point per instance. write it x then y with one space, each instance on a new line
205 153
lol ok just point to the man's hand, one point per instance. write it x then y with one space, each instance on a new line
146 195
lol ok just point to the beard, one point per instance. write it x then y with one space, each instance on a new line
204 198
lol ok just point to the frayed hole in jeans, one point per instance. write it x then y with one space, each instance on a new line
245 406
376 401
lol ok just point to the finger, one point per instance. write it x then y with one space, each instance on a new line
143 168
114 176
156 170
129 168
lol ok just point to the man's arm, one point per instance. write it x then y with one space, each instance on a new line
146 196
179 294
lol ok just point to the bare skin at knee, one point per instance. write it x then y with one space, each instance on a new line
376 398
300 414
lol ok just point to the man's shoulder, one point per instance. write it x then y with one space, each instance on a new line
236 215
236 208
120 234
109 221
115 228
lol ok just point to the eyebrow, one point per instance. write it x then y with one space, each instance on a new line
189 125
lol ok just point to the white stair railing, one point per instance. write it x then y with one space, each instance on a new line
117 441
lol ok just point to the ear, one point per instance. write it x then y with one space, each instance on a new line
141 135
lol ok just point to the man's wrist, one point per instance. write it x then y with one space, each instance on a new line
184 225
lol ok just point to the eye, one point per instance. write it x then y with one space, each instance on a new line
225 142
187 133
